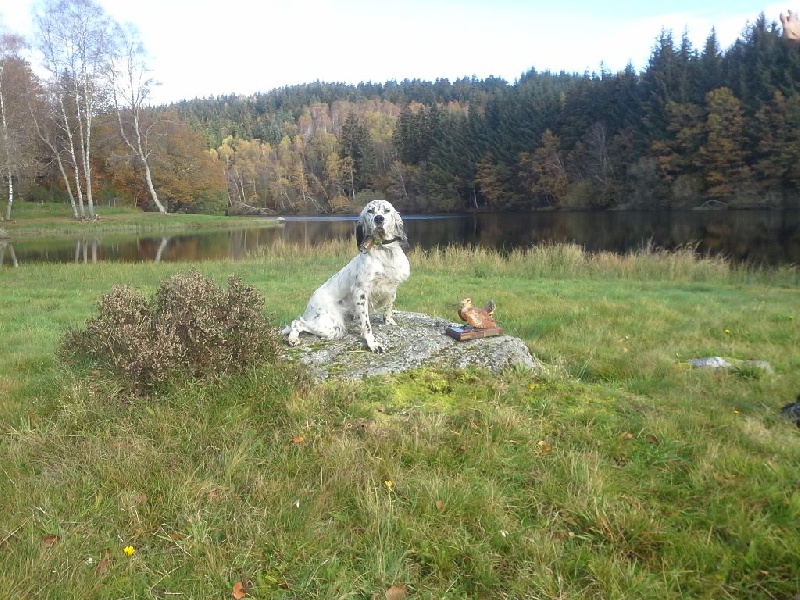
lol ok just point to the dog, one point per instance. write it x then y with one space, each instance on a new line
367 283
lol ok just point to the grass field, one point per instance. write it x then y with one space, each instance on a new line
32 220
617 473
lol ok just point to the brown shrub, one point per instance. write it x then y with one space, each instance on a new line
191 328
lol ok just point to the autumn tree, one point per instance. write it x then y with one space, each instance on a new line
776 126
190 179
495 181
677 150
247 165
724 156
18 151
543 173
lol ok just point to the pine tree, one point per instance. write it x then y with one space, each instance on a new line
355 143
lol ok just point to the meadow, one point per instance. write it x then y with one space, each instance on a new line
617 472
31 219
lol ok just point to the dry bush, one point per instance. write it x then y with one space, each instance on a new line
191 328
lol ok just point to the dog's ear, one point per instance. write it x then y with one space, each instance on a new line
359 234
401 231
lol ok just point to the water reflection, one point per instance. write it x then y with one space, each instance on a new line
8 247
763 237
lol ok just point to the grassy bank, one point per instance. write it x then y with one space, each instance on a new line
618 473
31 220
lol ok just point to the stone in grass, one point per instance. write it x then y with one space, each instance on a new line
717 362
792 411
418 340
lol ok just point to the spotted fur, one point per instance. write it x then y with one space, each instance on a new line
367 283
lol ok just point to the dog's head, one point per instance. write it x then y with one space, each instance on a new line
379 223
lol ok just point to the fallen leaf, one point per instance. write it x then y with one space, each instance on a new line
440 505
95 373
50 540
627 435
239 591
298 439
651 439
396 592
544 446
102 566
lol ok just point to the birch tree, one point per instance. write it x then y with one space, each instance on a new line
130 90
75 39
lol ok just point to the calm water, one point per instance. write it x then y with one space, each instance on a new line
768 237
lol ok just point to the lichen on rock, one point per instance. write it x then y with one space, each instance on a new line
418 340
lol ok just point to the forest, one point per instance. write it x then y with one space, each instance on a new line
696 128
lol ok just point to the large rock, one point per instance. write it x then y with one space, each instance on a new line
417 340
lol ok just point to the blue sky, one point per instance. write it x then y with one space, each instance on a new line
204 48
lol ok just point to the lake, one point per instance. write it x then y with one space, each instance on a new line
760 237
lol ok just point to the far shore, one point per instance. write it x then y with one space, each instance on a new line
34 220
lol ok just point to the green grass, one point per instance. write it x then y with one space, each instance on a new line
32 220
618 473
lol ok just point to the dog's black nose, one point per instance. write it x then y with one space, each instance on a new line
378 219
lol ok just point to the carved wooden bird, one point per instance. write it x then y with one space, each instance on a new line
479 318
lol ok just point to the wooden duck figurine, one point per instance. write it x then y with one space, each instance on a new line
479 318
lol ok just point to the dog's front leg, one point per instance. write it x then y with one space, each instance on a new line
388 319
362 313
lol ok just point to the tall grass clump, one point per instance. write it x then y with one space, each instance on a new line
190 329
646 263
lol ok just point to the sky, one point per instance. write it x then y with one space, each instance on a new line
204 48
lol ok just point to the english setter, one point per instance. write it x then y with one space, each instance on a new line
368 282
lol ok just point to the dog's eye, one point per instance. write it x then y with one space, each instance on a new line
371 210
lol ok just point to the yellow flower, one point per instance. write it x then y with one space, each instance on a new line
129 550
389 485
727 331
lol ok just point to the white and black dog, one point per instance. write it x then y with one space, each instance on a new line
367 283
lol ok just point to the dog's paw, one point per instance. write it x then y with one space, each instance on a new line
294 338
373 344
